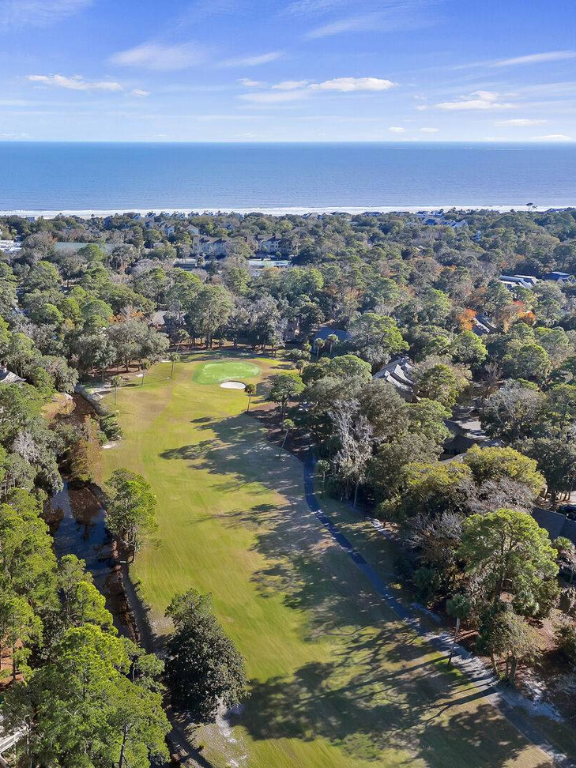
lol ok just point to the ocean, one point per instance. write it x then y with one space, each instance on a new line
85 178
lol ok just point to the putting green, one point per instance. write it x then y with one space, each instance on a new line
215 373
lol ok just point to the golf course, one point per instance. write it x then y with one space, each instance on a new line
336 679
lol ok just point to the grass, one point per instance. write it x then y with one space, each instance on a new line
216 373
336 680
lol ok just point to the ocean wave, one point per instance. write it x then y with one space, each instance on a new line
283 211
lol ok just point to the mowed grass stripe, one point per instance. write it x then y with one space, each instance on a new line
336 679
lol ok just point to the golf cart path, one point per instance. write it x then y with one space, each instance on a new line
507 701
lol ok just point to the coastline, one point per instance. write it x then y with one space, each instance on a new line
283 211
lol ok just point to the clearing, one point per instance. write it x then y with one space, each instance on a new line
336 679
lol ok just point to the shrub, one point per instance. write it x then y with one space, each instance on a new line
566 639
111 427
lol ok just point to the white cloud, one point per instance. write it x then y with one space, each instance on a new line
421 107
38 13
476 100
292 90
75 83
247 83
252 61
535 58
384 16
160 57
349 84
139 92
429 130
554 137
520 122
274 97
290 85
396 129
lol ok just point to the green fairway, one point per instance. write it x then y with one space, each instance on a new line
337 681
216 373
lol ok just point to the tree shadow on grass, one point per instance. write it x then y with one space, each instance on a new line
382 688
374 715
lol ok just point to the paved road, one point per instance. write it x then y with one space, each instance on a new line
506 700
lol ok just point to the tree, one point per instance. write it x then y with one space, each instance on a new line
376 338
319 346
288 425
386 469
208 311
19 625
504 633
384 408
203 668
507 550
427 418
285 387
431 489
458 606
116 382
82 710
493 463
353 433
469 349
85 453
441 382
174 358
332 340
323 467
527 361
130 509
511 412
250 390
550 302
556 458
346 366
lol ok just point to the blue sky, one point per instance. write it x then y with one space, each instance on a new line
296 70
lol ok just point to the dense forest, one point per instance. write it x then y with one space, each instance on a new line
434 371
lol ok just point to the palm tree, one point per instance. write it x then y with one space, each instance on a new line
250 390
459 607
144 365
332 340
174 357
288 425
319 345
116 381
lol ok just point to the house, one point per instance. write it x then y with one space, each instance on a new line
399 373
528 279
7 377
466 433
255 266
324 331
555 523
559 277
483 326
211 246
518 281
10 246
270 245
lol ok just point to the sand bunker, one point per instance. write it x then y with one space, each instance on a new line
233 385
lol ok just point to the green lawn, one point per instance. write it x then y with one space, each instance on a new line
336 680
215 373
